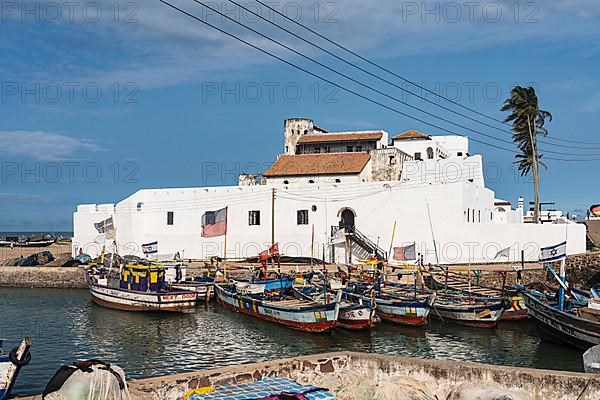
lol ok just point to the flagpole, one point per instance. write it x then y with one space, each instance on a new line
437 260
272 227
392 241
312 246
225 238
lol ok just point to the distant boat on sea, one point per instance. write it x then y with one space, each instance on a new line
28 241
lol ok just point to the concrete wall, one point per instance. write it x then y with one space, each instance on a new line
432 378
42 277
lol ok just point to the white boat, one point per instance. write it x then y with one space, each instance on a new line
11 364
139 287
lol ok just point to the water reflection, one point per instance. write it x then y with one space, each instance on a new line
66 326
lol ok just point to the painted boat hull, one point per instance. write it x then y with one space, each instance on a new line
43 243
561 326
475 315
516 312
404 312
357 317
129 300
205 291
9 371
316 319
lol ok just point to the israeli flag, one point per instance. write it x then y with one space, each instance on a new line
150 248
553 253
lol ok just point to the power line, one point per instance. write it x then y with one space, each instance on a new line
361 83
349 77
354 80
406 79
339 85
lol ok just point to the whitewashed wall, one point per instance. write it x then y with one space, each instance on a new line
377 205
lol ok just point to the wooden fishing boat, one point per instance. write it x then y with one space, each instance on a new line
479 312
572 326
282 308
27 243
176 278
515 310
352 316
138 287
203 289
10 366
276 281
394 304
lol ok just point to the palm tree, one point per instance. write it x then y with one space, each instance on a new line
527 122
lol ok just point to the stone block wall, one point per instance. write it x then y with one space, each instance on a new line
42 277
360 375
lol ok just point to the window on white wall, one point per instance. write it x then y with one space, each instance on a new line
302 217
254 217
418 156
170 217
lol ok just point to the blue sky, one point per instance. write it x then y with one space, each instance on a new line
98 102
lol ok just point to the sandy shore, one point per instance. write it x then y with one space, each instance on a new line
57 249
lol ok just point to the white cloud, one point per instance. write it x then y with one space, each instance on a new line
45 146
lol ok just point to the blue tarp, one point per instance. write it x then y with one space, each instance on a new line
263 388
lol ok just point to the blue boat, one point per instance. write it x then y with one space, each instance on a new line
255 285
11 364
287 309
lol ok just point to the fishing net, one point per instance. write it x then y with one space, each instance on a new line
90 380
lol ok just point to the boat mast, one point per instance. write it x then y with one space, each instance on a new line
437 260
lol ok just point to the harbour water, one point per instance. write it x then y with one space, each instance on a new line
66 326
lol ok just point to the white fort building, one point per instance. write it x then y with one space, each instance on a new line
328 183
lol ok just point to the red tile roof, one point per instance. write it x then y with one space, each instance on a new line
412 134
341 137
318 164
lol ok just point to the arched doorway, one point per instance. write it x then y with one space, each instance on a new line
347 217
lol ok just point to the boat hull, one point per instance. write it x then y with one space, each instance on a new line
205 291
561 326
357 317
478 316
9 372
404 312
124 300
317 319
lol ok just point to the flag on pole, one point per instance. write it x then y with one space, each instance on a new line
263 256
274 249
214 223
150 248
553 253
106 227
405 253
503 253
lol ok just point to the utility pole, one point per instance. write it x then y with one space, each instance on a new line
273 217
536 176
